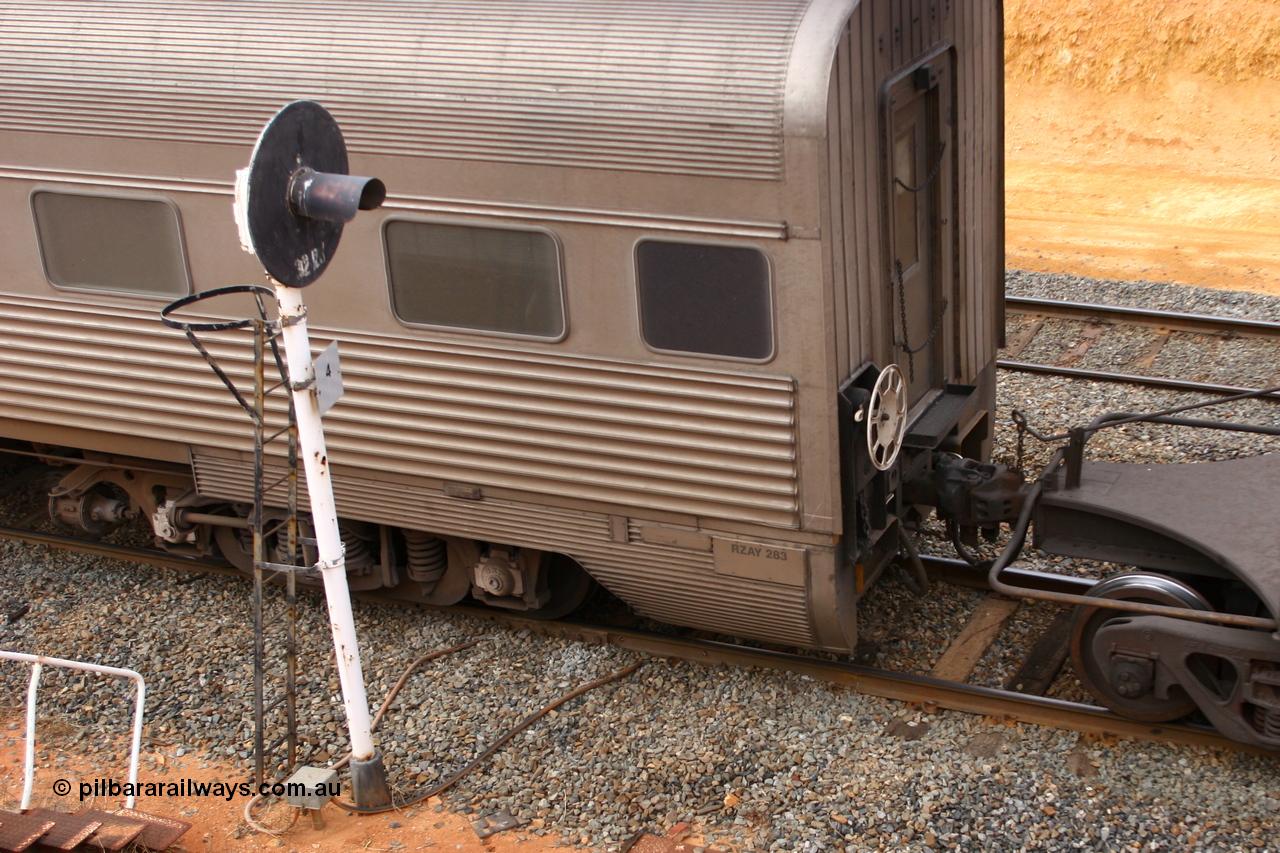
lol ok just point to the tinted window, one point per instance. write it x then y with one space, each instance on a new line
905 236
491 279
704 299
119 244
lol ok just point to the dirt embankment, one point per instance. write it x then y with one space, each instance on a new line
1110 45
1144 139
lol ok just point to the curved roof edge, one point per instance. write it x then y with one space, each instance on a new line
813 50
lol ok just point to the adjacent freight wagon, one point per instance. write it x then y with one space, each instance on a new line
670 296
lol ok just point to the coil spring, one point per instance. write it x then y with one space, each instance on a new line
426 558
358 551
1267 720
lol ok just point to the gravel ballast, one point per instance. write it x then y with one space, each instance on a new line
756 760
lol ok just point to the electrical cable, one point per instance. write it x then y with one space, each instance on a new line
373 726
484 756
400 682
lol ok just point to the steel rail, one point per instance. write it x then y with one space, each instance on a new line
1160 318
1123 314
923 690
912 688
124 553
959 573
928 691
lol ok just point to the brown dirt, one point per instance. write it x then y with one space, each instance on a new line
216 823
1110 45
1143 140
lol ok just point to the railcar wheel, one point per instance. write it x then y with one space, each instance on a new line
1126 686
236 545
570 587
886 417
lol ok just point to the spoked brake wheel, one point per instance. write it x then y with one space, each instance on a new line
1124 686
886 417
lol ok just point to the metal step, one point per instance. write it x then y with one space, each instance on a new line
950 408
93 828
159 833
69 830
115 833
20 831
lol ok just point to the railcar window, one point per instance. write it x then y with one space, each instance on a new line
712 300
488 279
906 236
126 245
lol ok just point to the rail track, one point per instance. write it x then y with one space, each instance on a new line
1100 319
927 691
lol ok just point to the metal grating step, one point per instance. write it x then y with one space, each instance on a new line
20 831
160 832
69 831
116 832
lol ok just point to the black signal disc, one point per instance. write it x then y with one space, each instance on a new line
293 249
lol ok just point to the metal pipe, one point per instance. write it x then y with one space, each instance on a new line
29 749
187 518
324 518
1202 423
38 662
1130 379
958 572
139 702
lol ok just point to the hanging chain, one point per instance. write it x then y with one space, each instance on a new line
936 324
904 343
1019 421
933 173
902 318
864 518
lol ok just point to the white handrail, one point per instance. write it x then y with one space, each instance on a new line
38 663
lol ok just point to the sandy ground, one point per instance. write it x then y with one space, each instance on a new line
1143 140
216 823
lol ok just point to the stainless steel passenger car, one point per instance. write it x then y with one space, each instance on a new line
637 263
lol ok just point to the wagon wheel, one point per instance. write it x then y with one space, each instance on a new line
886 418
1126 687
570 587
236 543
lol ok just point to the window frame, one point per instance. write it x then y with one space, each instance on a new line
772 310
485 225
120 196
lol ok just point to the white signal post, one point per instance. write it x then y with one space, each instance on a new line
324 516
290 206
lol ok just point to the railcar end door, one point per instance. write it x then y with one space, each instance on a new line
919 158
